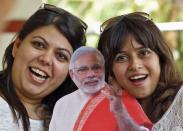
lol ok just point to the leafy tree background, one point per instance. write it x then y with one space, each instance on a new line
94 12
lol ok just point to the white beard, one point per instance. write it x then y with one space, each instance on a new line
90 89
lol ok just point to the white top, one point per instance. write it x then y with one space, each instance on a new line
67 110
7 123
172 120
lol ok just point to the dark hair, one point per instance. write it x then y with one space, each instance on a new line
115 33
71 27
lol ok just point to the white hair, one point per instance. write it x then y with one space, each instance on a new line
82 51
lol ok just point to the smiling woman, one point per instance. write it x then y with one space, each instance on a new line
140 60
44 67
35 68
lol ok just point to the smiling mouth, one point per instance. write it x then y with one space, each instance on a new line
92 83
138 78
38 74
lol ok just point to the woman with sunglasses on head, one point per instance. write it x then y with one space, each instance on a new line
141 62
35 68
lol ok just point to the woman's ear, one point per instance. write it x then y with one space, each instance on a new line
16 44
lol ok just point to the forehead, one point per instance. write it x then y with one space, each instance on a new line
131 43
52 36
88 59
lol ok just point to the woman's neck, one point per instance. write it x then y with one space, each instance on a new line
147 106
32 105
33 110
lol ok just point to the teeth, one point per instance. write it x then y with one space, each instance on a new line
41 73
137 77
39 78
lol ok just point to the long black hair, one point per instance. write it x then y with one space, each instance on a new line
71 27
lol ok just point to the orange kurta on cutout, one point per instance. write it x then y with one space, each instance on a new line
96 115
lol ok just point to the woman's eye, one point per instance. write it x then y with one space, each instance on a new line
121 58
145 52
61 56
38 45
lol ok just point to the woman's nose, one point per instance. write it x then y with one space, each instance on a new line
46 58
135 64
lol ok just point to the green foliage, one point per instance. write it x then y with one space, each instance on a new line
55 2
97 11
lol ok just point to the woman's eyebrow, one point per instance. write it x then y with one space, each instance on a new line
65 50
62 49
40 37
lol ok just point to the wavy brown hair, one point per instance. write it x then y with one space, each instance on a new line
114 34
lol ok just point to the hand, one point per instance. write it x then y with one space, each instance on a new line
114 93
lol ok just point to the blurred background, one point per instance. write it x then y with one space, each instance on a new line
167 14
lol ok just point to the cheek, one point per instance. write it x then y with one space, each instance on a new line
61 71
23 59
77 81
118 69
154 67
101 75
80 78
21 53
156 71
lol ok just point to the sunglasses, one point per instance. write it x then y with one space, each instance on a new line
108 24
53 8
60 11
